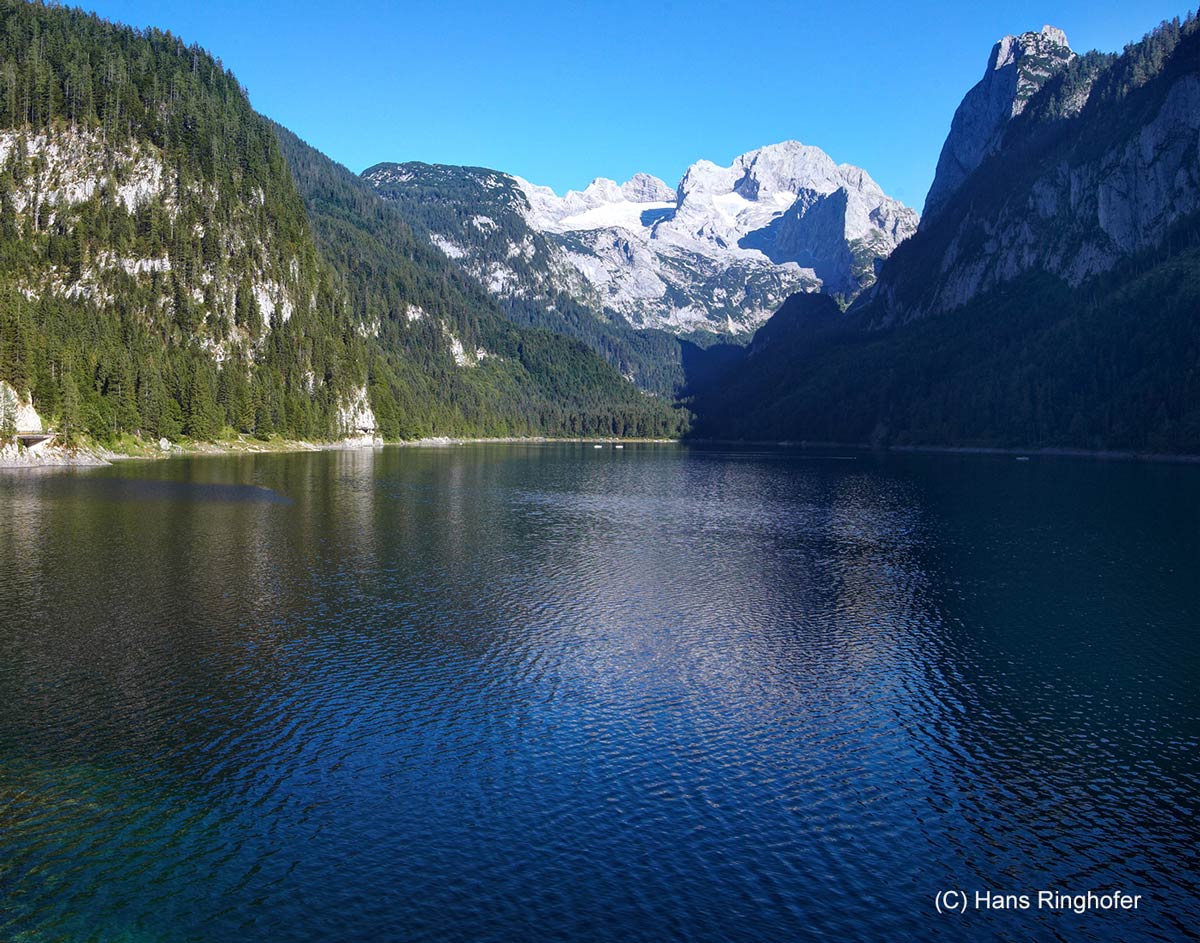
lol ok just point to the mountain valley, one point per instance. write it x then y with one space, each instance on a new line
176 266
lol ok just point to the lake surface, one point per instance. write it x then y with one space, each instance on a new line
551 692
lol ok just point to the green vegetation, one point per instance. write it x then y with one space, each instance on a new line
174 265
107 348
1115 365
416 301
1112 364
159 274
8 416
447 201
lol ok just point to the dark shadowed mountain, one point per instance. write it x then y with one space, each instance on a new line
1052 294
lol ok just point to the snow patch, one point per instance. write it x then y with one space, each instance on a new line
778 219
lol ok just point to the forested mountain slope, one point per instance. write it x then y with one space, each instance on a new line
444 358
156 270
1052 300
648 275
159 274
478 218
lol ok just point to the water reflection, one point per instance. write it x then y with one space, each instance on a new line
556 692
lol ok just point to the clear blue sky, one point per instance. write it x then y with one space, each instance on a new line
561 91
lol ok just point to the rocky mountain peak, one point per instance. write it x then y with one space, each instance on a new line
1048 42
787 167
602 190
794 204
776 169
720 252
1017 68
646 188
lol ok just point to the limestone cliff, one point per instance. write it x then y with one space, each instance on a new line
1017 69
1095 164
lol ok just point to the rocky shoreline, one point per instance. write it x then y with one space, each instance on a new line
15 456
52 456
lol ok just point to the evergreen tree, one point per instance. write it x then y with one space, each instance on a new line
70 424
221 298
201 419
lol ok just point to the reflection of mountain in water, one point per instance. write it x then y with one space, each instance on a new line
514 679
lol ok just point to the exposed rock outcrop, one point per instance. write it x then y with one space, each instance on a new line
17 413
1017 68
355 417
720 252
786 209
1080 173
645 188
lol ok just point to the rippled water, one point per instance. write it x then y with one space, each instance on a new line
559 693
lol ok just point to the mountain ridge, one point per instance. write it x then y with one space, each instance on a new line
1017 69
1050 302
448 361
1098 165
624 266
759 208
173 264
161 275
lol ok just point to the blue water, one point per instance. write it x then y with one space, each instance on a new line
549 692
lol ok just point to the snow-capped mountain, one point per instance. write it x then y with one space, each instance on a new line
1049 299
719 253
724 249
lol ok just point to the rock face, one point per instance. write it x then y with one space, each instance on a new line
644 188
1095 164
65 169
17 413
724 249
355 416
1050 302
1018 67
718 253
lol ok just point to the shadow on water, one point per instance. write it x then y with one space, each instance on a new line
526 692
150 489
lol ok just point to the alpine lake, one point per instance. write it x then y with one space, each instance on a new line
527 692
